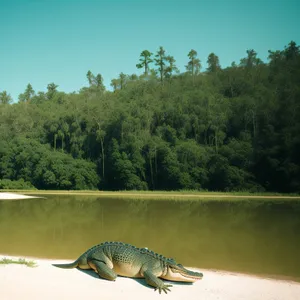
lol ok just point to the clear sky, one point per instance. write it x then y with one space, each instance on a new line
44 41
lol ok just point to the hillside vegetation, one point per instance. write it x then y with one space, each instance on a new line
230 129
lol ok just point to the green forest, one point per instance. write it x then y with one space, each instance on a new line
218 129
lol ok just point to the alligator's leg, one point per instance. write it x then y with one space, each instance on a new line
157 283
103 270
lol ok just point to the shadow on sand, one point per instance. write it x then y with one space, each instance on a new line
139 280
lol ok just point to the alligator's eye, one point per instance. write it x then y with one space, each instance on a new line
180 265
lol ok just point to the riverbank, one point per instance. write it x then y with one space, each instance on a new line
48 282
182 195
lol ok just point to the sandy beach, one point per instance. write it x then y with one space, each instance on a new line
14 196
48 282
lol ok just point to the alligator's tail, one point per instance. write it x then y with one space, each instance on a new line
67 266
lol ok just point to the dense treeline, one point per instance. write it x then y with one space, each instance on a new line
236 128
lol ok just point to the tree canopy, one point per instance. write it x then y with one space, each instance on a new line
230 129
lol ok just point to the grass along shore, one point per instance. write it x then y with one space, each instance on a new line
20 261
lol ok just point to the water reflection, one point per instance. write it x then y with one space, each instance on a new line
254 236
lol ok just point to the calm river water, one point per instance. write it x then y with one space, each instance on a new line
252 236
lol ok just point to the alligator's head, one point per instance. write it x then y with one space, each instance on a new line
177 272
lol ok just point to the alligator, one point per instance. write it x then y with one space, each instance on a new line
110 259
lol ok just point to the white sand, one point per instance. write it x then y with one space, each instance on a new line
48 282
13 196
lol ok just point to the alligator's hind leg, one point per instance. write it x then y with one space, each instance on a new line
102 269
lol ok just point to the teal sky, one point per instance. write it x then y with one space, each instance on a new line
44 41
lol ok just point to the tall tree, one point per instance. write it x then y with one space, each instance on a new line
114 84
120 82
291 51
5 98
160 59
90 77
171 67
194 65
275 56
99 82
122 79
145 61
27 95
95 81
213 63
251 60
52 89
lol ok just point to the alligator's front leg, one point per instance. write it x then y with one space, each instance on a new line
102 269
157 283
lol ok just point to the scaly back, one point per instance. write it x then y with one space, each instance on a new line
124 252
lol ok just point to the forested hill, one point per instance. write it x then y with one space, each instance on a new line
217 129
